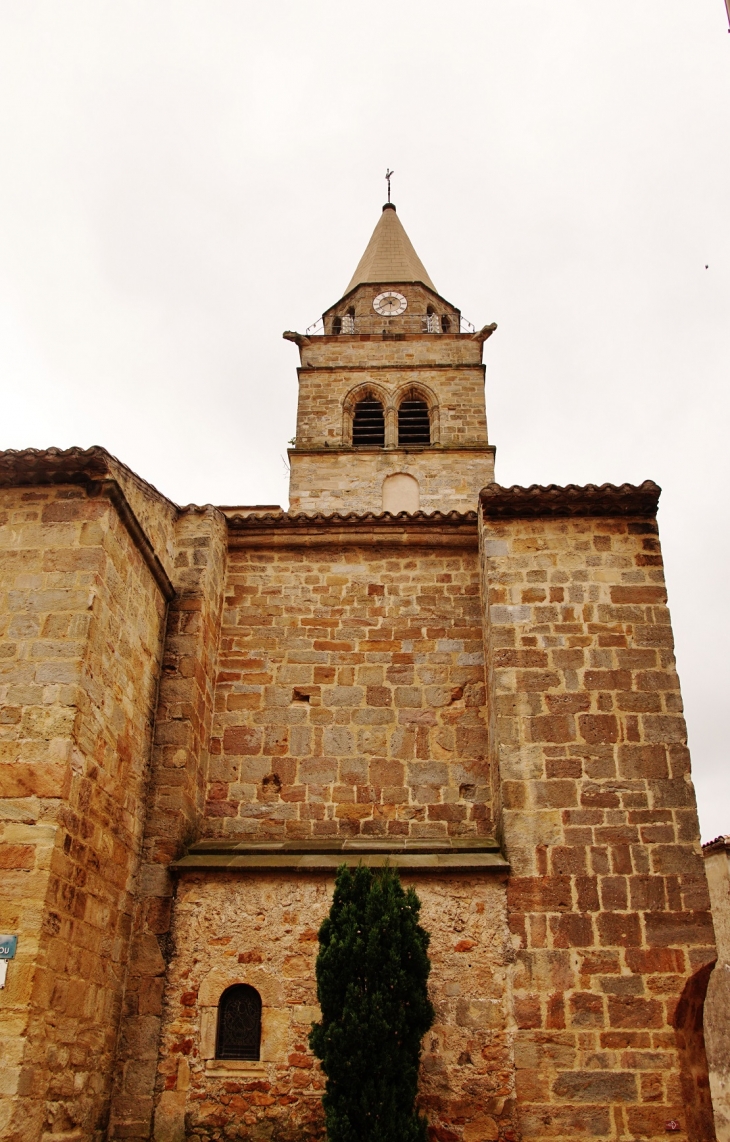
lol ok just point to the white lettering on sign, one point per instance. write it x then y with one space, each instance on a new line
8 946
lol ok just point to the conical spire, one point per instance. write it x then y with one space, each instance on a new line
389 256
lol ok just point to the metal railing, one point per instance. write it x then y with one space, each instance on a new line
347 325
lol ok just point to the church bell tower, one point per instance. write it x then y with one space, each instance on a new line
391 414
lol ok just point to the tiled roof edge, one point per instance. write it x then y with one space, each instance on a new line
717 845
348 519
27 466
498 502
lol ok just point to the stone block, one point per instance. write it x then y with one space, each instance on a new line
596 1087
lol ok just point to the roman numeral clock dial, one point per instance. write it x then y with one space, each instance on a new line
390 304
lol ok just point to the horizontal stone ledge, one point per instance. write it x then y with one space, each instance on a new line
457 854
322 536
329 862
611 500
363 844
408 449
398 367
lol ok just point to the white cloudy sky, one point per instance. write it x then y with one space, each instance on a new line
181 181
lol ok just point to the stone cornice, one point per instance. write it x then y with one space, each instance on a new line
475 855
349 449
516 502
284 529
396 367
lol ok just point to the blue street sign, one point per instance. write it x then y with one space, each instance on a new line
8 944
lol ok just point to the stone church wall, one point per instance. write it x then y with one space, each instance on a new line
350 695
187 695
607 901
262 930
81 620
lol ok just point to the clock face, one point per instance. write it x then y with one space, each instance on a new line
389 304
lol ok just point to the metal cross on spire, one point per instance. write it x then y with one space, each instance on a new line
389 174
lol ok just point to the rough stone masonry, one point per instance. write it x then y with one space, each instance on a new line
204 711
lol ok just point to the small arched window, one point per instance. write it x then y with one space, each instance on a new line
368 423
336 325
414 422
445 324
239 1023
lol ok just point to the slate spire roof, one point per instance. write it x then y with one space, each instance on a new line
390 256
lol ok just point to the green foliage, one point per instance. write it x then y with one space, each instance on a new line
372 971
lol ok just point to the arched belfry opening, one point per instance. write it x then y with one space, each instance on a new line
433 323
414 420
239 1023
368 423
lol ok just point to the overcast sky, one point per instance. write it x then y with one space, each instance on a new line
180 182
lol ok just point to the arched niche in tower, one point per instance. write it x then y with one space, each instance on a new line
401 493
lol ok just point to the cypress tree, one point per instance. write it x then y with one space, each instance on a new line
372 971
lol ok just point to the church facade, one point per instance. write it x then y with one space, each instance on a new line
205 711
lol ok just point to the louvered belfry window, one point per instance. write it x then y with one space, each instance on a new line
239 1023
414 423
368 424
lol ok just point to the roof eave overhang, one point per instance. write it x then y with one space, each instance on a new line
544 500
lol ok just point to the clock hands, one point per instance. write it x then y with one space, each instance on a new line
390 304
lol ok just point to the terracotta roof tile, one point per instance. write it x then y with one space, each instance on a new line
516 502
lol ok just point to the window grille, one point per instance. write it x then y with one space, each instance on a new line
368 424
348 323
239 1023
414 423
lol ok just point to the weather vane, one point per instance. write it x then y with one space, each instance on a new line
389 174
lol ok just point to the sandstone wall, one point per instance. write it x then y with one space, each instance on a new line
717 1004
459 413
350 695
608 901
263 931
406 351
81 619
173 803
352 480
